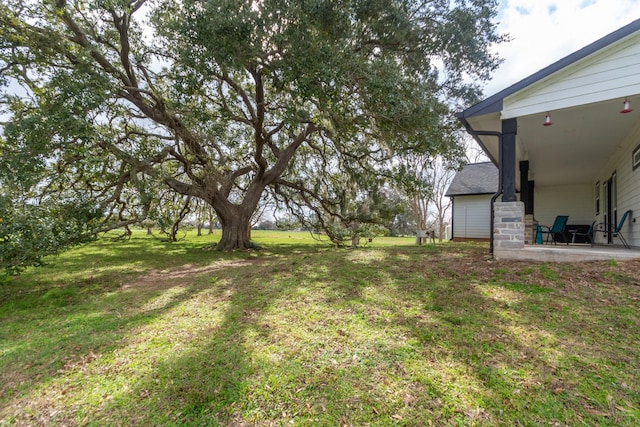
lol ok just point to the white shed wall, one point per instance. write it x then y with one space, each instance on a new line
471 216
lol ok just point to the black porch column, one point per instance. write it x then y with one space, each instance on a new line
524 184
508 160
526 188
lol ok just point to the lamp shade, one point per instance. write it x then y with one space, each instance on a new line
626 107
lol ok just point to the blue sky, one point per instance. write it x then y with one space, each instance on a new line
544 31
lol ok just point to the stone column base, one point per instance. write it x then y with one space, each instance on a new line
508 226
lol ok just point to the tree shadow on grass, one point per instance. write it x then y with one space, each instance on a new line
224 379
353 337
52 328
136 255
204 380
53 338
99 269
314 369
508 340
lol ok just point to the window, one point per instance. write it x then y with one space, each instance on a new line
605 198
598 198
614 199
635 158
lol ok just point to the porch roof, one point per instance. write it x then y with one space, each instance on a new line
494 103
583 93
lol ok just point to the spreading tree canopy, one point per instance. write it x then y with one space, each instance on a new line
109 103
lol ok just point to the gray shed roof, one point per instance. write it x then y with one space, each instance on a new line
475 178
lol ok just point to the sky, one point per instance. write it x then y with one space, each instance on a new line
544 31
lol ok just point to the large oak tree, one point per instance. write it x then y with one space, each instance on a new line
106 101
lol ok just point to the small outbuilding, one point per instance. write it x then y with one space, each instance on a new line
470 192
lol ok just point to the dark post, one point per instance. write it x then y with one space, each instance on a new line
508 160
525 194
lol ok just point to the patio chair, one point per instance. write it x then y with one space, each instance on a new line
588 234
557 231
615 231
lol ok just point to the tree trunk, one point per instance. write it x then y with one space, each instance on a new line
211 216
200 225
236 226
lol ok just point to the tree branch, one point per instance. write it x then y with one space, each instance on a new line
258 123
288 153
238 89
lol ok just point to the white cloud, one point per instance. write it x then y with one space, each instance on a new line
544 31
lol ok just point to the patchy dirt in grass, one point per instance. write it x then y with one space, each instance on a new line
185 274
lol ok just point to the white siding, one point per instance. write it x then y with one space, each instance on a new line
471 216
577 201
609 74
628 182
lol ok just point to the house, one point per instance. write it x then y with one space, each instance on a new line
470 191
567 138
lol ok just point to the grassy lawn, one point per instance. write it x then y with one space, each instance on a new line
150 333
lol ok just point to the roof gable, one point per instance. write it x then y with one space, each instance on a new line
612 73
495 102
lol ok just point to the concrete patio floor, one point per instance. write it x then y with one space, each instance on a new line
569 253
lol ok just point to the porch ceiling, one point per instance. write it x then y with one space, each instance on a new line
578 145
575 148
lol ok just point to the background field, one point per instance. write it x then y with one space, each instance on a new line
145 332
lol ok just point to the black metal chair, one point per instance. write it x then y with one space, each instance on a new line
588 234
